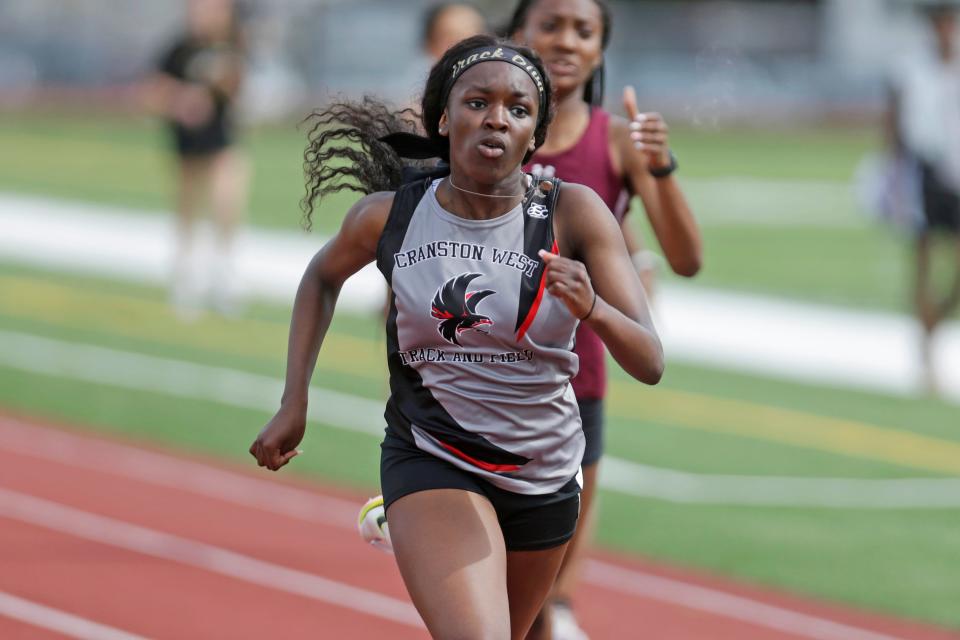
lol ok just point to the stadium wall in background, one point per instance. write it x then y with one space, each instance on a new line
702 61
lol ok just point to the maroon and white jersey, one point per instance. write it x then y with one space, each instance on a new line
480 355
588 162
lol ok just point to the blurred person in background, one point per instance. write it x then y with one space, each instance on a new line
619 159
923 127
480 462
448 23
444 25
197 81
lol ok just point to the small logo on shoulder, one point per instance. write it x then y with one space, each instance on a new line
537 210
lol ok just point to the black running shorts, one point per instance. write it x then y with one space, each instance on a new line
528 522
202 141
941 202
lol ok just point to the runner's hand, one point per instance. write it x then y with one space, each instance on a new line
192 105
648 131
568 280
276 445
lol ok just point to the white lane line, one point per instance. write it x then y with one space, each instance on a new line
68 624
354 413
758 335
78 450
123 535
24 439
182 379
723 604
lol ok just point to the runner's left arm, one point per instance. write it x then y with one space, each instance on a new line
594 277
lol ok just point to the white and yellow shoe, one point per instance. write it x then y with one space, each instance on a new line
372 524
565 626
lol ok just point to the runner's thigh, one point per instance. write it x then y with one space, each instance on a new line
452 558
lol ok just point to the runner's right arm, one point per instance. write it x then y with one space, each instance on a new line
352 248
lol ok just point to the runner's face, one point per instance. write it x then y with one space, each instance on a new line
568 35
491 117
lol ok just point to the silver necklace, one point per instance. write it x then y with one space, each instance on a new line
485 195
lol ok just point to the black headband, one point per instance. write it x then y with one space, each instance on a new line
498 54
416 147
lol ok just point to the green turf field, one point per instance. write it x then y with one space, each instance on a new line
777 209
698 420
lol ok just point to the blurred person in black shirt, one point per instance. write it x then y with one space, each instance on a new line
923 126
194 88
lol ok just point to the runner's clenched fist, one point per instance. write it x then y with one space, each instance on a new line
567 280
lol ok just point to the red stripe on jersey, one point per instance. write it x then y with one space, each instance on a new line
486 466
536 303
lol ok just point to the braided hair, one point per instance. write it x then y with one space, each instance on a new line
343 151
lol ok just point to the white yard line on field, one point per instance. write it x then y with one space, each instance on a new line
231 387
767 202
758 335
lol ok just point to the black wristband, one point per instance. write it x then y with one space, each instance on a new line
663 172
592 305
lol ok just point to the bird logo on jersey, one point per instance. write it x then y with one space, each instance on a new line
456 307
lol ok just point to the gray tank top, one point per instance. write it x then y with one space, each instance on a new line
480 354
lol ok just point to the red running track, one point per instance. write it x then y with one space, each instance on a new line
100 539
